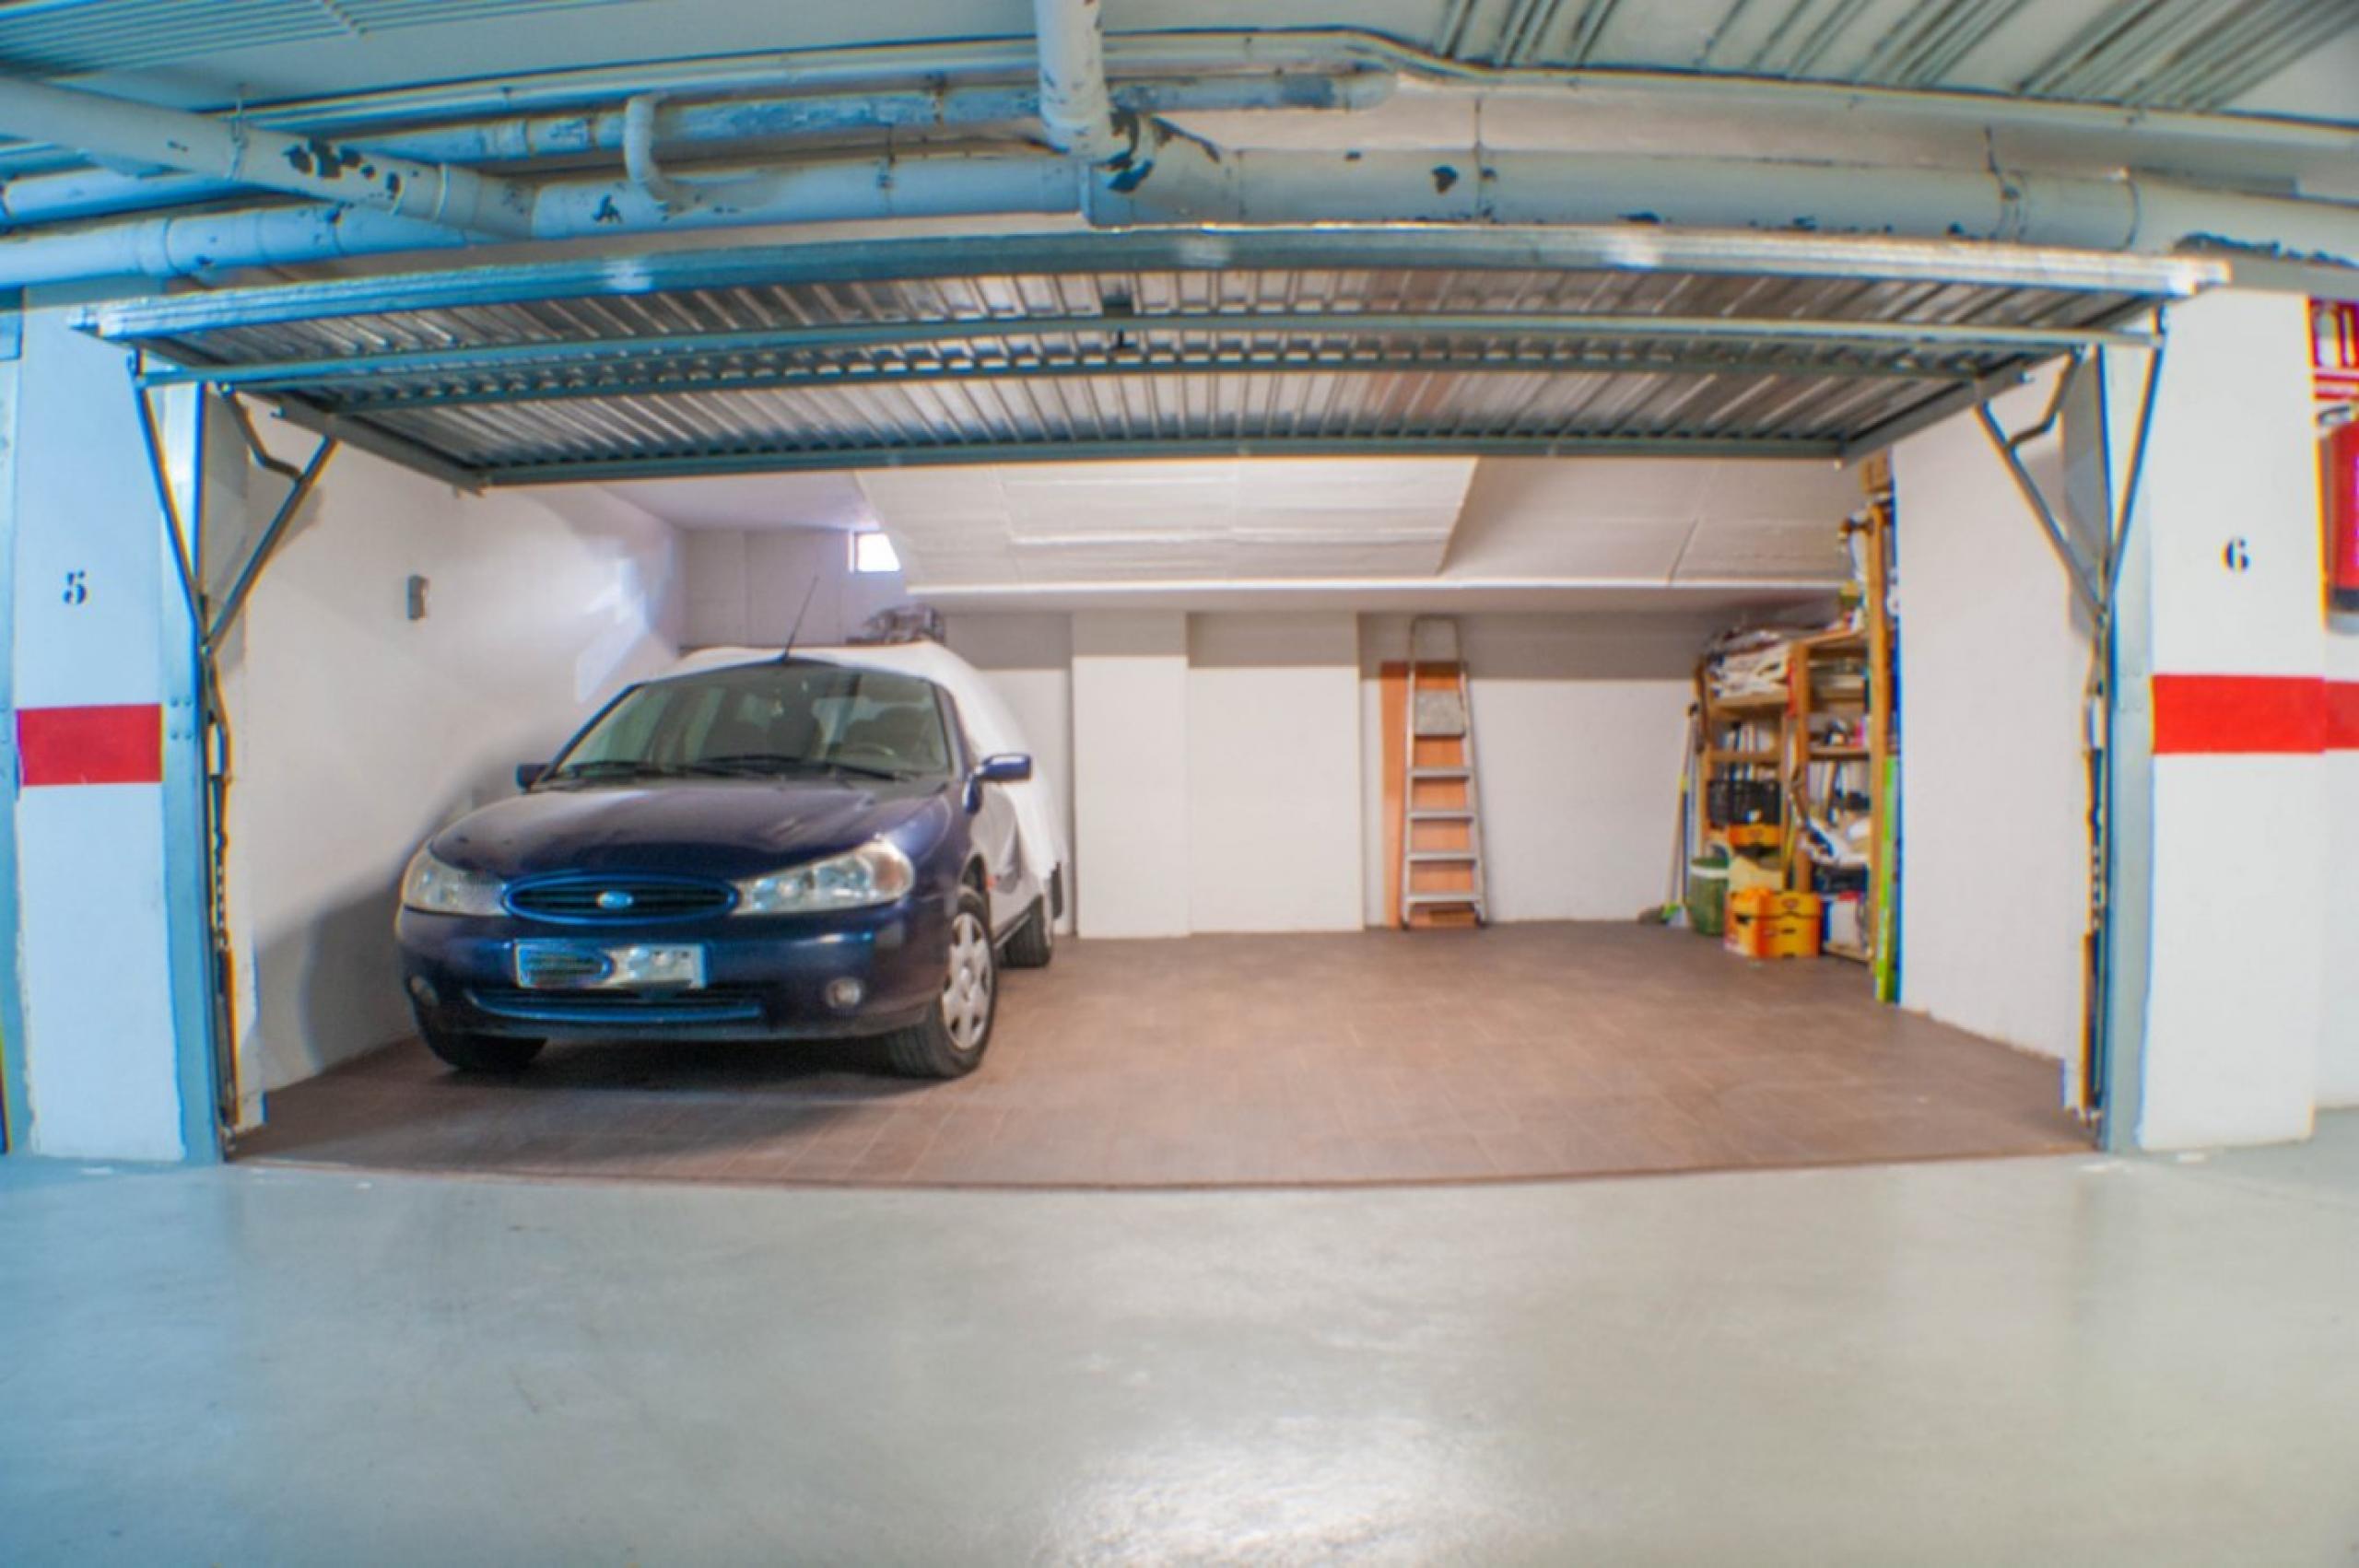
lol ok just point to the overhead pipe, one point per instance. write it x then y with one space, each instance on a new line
110 128
1190 182
840 79
1076 108
1320 71
638 155
864 189
672 126
1186 182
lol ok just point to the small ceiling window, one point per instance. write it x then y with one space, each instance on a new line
872 552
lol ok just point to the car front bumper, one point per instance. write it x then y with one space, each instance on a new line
767 977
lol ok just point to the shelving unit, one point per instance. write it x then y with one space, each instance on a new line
1743 742
1826 744
1828 685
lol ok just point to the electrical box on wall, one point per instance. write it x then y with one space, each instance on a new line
416 591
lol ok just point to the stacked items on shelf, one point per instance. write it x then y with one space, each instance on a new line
1793 767
1833 797
1743 690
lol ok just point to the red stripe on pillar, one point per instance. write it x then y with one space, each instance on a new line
2239 715
2343 716
91 746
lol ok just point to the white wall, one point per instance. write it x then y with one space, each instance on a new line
1580 733
1274 773
1130 784
744 587
2339 1044
1994 788
360 732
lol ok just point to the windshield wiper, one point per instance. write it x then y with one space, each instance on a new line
613 768
769 762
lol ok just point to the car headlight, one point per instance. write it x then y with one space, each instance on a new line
874 873
434 887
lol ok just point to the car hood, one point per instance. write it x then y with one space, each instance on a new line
727 828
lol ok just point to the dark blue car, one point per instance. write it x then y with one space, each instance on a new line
787 850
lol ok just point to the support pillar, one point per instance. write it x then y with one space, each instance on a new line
2219 652
111 1038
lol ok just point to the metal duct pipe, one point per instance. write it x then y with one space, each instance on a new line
1074 105
273 161
1187 181
686 126
851 189
1175 180
638 155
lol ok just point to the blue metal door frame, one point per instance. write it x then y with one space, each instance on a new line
13 1088
174 423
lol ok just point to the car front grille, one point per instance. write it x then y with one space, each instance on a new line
619 900
618 1007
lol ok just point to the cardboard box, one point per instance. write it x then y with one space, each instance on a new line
1789 936
1749 914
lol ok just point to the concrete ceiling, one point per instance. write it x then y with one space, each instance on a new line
1211 520
1399 532
752 501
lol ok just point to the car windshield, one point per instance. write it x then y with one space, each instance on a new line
768 720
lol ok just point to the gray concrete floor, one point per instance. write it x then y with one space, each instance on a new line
2069 1359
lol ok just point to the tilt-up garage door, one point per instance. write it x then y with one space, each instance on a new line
1149 346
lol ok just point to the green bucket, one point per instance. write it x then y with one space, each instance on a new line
1707 895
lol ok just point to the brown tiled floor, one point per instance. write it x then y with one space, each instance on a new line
1526 1050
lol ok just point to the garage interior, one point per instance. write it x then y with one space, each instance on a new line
1707 520
1209 654
1697 665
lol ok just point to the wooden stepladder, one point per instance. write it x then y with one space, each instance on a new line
1440 881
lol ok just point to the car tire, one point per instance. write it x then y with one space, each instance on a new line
949 1042
483 1053
1035 942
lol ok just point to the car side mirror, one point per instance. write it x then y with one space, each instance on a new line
1008 767
529 773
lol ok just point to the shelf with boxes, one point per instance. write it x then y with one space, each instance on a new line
1766 923
1794 768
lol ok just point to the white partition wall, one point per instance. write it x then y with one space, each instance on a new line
1274 773
1580 729
1994 661
365 723
1130 771
2339 1046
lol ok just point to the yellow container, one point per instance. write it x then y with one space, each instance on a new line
1748 920
1789 936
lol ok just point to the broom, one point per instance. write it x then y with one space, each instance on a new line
1674 905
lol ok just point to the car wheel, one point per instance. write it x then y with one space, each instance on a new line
950 1040
1035 942
483 1053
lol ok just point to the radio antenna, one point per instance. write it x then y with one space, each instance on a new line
796 630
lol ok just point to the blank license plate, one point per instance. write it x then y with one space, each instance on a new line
576 967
